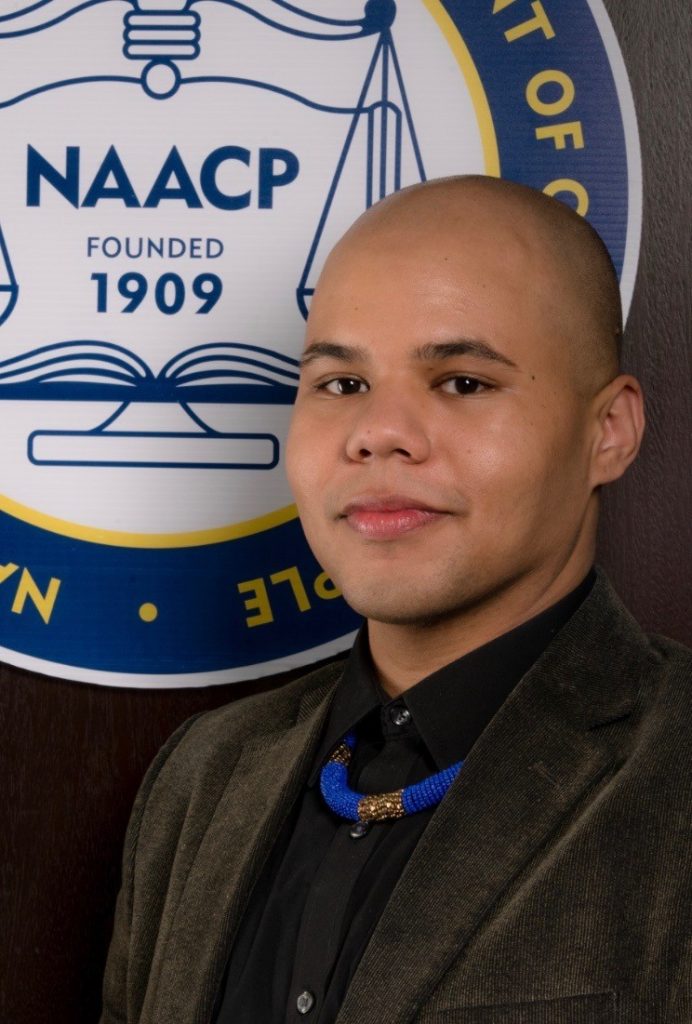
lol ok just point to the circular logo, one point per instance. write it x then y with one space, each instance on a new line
173 174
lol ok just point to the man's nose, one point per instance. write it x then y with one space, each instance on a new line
389 424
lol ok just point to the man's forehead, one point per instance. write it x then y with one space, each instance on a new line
393 258
439 295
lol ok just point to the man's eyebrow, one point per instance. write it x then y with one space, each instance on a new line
462 347
331 350
433 351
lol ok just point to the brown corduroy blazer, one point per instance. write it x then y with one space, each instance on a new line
551 886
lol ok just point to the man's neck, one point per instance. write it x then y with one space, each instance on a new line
403 654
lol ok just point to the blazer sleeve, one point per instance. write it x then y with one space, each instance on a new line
117 1003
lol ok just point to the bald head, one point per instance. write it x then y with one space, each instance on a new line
562 260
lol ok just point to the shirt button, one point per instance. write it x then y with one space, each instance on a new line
400 716
305 1002
359 829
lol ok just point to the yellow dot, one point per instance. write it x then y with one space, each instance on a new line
148 612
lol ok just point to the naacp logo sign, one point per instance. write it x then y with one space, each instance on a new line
172 174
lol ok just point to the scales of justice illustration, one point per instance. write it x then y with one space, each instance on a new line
159 419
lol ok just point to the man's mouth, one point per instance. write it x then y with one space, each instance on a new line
388 517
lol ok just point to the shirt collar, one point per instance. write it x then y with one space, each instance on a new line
451 707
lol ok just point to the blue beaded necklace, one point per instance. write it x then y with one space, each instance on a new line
353 806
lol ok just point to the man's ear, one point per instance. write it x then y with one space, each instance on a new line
620 411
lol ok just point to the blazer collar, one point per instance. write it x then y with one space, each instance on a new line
541 752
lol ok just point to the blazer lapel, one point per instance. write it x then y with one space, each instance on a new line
526 773
269 774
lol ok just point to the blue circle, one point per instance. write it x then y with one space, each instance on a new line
153 68
207 597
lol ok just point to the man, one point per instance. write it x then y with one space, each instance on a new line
483 817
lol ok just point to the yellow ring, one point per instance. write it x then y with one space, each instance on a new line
122 539
491 154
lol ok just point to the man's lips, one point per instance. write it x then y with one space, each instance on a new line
388 517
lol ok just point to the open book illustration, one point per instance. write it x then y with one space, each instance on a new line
218 373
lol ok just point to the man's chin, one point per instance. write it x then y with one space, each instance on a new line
401 608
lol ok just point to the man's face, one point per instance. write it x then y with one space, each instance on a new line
440 446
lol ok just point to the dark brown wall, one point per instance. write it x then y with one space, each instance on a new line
647 522
72 755
72 758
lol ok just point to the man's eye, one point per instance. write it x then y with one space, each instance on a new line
344 386
463 385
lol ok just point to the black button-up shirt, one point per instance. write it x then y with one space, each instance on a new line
327 881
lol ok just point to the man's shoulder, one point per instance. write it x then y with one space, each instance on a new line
674 656
659 679
268 712
612 671
667 691
603 638
209 743
662 668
